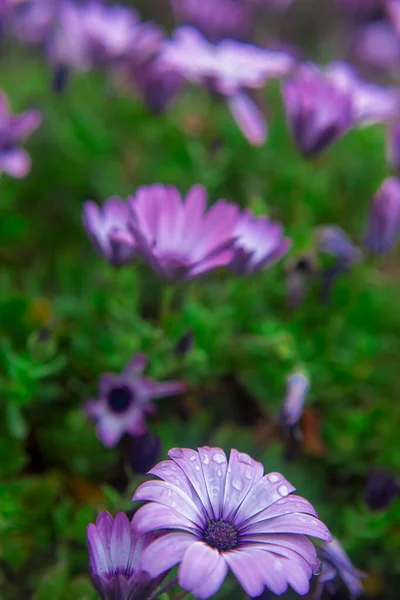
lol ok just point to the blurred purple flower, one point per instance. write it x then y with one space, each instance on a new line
384 219
335 562
381 489
393 147
103 224
318 113
332 240
32 20
157 87
229 68
377 46
216 19
258 244
297 387
125 400
114 555
178 238
14 129
227 516
143 452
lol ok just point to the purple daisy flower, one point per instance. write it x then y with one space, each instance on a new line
317 111
384 219
226 515
335 562
125 400
114 555
258 244
14 129
178 238
103 224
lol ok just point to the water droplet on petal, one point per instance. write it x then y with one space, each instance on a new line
244 458
197 467
273 478
206 459
248 474
219 458
164 492
214 491
237 483
282 501
192 458
174 505
277 565
229 470
219 473
283 490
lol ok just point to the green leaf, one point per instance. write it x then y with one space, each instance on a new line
53 583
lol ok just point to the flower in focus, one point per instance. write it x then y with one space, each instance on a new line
14 129
384 219
258 244
114 555
103 226
125 400
229 68
178 238
381 489
297 387
216 19
318 113
226 515
335 562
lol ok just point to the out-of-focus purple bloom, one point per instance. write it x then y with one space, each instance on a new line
378 46
297 387
114 556
393 147
381 489
392 8
178 238
318 113
157 86
371 103
230 68
332 240
360 8
103 224
258 243
33 20
143 451
335 562
298 275
216 19
125 400
14 129
384 219
226 515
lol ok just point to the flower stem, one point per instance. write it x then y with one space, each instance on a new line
161 590
165 305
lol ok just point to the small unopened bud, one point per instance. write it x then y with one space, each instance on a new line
381 488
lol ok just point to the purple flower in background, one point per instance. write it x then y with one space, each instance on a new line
125 400
258 244
114 555
227 516
377 45
178 238
318 113
157 87
143 452
332 240
384 219
216 19
335 562
14 129
33 20
297 387
381 489
229 68
393 147
103 224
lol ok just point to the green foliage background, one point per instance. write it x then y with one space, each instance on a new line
97 140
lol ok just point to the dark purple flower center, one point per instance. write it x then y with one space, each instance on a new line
120 398
221 535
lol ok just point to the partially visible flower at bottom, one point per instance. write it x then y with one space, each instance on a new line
227 515
125 400
335 562
114 555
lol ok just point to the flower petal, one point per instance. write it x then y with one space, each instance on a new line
214 477
97 554
266 491
189 461
249 118
293 523
244 565
284 506
211 585
165 552
198 564
242 474
298 543
172 496
121 538
156 516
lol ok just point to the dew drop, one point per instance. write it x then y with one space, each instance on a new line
192 458
206 459
273 478
244 458
248 474
277 565
229 470
214 491
283 490
164 492
174 505
282 501
197 467
237 483
219 458
219 473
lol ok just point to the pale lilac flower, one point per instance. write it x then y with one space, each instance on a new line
378 46
227 516
384 219
258 244
297 387
103 224
335 562
178 237
318 113
14 129
216 19
371 103
231 69
114 556
393 146
125 400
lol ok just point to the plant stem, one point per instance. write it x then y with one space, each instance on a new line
166 586
165 305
